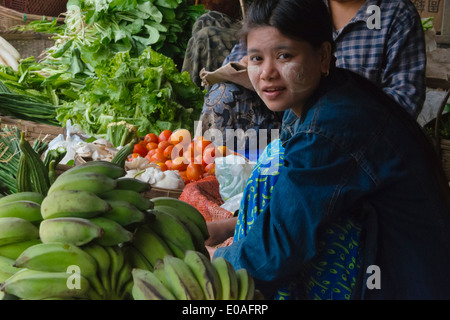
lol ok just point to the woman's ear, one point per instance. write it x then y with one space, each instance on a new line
325 57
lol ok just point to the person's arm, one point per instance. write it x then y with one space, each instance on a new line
405 65
282 238
220 230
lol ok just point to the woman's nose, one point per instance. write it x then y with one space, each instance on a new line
268 71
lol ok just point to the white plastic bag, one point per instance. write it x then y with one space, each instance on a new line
232 172
71 142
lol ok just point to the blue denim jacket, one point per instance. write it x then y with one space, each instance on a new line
356 153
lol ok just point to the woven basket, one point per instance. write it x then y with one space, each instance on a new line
442 146
33 130
11 18
29 43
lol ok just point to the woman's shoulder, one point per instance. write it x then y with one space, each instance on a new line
348 108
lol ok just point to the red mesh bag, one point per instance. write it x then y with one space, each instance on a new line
38 7
205 196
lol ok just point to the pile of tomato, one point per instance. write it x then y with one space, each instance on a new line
192 158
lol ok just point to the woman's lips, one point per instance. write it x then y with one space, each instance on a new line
273 93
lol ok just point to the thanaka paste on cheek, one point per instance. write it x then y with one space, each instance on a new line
253 74
295 74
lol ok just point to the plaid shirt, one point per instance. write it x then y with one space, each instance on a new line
393 56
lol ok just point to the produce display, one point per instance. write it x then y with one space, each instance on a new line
91 232
193 158
93 235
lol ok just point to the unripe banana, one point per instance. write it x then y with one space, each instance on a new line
147 286
128 183
25 209
37 285
114 233
135 258
103 260
13 250
183 211
246 285
135 198
14 230
181 280
228 278
117 261
152 246
85 181
172 230
124 213
27 195
76 231
123 279
73 203
106 168
57 257
7 268
158 271
205 273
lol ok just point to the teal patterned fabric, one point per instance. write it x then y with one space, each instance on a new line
332 273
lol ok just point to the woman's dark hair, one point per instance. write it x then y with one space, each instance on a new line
307 20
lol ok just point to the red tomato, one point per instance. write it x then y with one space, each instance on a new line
165 135
179 163
162 165
158 157
140 149
151 137
164 144
194 171
132 156
151 145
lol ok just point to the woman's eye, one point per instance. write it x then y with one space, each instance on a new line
255 58
284 56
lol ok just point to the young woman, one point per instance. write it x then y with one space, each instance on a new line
360 208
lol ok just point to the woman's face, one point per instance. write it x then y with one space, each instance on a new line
283 71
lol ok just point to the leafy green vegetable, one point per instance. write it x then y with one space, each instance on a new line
147 92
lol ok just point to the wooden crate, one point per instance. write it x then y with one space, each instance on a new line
160 192
32 129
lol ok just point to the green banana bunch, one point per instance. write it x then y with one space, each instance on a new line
38 285
193 278
58 257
